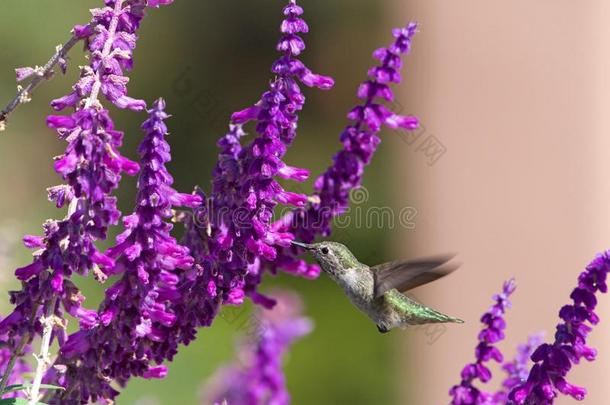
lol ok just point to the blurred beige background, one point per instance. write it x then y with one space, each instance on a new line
516 93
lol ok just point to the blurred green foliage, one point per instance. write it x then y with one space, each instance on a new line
208 59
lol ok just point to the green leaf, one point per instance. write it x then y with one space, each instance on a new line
17 401
15 387
18 387
8 401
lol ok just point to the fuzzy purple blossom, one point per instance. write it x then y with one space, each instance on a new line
132 333
235 227
157 3
166 290
19 370
517 370
231 237
360 140
466 393
92 168
110 38
258 378
553 361
276 122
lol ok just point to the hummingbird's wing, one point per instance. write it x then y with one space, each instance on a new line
406 275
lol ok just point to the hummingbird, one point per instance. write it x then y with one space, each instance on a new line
377 291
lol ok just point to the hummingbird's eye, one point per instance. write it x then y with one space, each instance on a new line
324 250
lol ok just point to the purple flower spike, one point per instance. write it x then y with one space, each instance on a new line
553 361
234 234
360 141
466 393
517 370
157 3
259 378
138 315
20 369
110 38
92 168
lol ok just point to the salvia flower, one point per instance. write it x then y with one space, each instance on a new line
133 331
553 361
110 38
237 221
466 393
92 168
17 374
258 378
360 140
517 370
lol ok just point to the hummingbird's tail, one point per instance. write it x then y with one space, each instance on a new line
429 315
415 313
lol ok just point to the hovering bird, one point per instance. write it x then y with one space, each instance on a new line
377 291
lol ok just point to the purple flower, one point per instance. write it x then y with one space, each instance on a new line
259 378
235 233
92 168
164 290
157 3
17 375
110 38
517 370
360 140
134 329
466 393
553 361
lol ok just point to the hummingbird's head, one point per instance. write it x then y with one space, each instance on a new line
333 257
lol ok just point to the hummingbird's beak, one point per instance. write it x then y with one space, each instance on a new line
302 245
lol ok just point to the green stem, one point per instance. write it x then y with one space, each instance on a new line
43 358
24 93
17 352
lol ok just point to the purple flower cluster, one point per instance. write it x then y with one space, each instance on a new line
466 393
553 361
133 331
235 229
546 379
110 39
360 140
259 378
91 167
517 369
164 294
165 290
17 374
